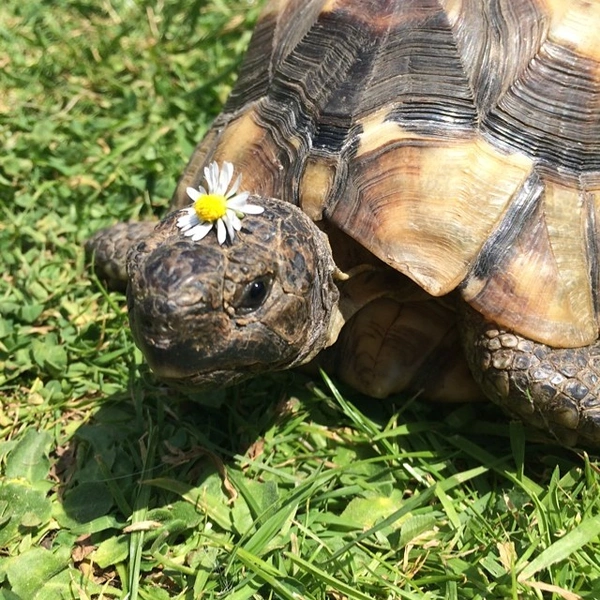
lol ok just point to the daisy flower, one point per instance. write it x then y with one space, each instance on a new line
217 206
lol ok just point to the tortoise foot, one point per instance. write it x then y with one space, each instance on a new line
108 249
554 389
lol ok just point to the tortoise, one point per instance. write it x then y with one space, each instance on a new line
419 209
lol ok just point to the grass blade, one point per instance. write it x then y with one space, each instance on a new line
586 532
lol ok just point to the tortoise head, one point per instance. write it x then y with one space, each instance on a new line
208 315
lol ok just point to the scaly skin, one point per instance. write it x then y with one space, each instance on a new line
108 249
554 389
195 314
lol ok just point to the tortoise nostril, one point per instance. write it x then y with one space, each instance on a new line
145 322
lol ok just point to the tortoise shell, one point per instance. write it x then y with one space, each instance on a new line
457 140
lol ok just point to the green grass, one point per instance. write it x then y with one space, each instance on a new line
112 486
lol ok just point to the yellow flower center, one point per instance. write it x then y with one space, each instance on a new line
211 207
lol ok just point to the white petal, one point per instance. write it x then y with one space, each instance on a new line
234 188
229 225
197 227
211 176
215 176
237 201
252 209
184 218
234 220
225 178
199 232
221 232
188 219
193 193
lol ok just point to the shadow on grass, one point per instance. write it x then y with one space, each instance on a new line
154 463
155 433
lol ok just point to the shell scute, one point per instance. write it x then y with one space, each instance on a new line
457 140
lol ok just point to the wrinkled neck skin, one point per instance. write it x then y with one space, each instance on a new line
210 315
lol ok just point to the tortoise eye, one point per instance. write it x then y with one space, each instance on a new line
254 294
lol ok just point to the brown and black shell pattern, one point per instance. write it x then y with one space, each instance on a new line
457 140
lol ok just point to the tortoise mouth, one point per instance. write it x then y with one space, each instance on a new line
204 351
210 379
188 365
199 349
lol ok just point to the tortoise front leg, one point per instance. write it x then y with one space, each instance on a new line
108 248
554 389
401 339
391 346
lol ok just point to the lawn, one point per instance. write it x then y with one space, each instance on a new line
111 485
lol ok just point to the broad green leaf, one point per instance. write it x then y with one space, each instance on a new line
208 498
177 516
416 525
49 355
21 506
88 501
29 572
365 512
112 551
29 459
30 312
